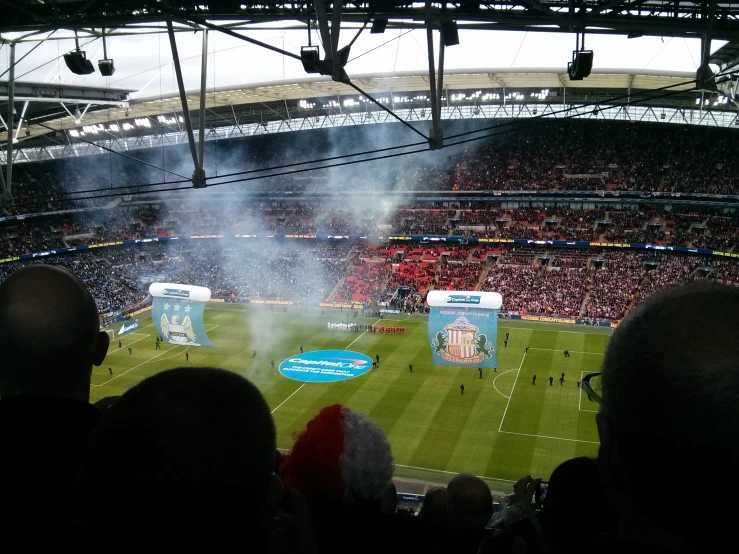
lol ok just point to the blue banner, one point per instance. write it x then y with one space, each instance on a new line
180 321
128 326
462 336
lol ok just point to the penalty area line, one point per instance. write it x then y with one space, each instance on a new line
547 437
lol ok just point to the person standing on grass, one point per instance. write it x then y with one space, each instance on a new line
120 344
506 336
461 388
505 343
480 370
187 356
253 354
533 379
301 349
377 357
567 353
551 380
526 351
110 371
410 368
130 350
562 379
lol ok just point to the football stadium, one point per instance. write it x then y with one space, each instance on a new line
368 276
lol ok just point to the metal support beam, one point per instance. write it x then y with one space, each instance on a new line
201 115
705 75
9 123
20 120
322 15
440 78
198 176
436 137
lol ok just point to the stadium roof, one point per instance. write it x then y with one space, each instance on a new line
310 95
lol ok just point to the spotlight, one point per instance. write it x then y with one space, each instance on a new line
378 26
581 65
310 58
596 111
78 63
663 115
449 33
106 67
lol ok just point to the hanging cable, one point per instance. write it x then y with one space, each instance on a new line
520 126
114 152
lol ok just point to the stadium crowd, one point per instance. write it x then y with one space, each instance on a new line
594 283
187 458
702 227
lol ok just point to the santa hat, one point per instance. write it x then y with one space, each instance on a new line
340 458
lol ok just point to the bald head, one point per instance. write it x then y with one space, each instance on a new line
469 501
671 392
49 334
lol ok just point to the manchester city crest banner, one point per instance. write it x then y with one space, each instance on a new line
463 327
177 313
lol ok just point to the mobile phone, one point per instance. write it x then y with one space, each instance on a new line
541 492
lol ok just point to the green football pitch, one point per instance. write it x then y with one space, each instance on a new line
502 428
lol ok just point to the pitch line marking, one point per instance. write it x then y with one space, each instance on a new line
573 351
548 437
126 345
360 336
453 473
288 398
146 362
496 378
134 367
432 470
301 386
518 373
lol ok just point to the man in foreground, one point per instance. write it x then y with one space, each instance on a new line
186 458
49 340
670 412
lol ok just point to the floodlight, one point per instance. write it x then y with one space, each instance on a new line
449 33
106 67
78 63
378 26
581 65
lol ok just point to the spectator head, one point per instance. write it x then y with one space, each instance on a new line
434 511
670 390
187 457
575 505
470 502
341 458
49 334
